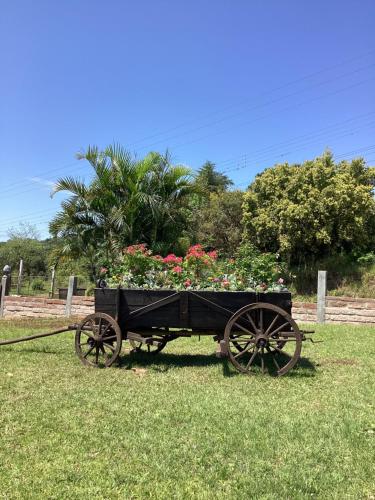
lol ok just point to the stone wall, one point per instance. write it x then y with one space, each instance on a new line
304 312
338 309
350 310
42 307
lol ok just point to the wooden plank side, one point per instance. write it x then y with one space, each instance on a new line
193 313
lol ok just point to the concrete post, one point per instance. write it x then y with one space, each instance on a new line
72 290
321 299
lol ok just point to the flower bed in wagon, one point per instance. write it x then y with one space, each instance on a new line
199 269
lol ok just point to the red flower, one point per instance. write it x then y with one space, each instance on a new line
132 249
195 251
187 283
177 269
225 283
172 259
212 254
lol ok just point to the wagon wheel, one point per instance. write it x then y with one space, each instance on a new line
263 336
149 348
98 340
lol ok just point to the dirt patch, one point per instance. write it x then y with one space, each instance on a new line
343 362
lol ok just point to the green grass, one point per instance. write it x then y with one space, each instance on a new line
184 424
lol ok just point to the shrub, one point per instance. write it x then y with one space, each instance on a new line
38 284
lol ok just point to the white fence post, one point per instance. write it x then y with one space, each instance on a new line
52 287
321 299
72 290
19 282
2 297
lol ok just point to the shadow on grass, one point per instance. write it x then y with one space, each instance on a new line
163 362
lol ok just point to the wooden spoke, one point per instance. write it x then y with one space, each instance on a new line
106 330
103 351
273 322
280 351
252 358
109 346
243 351
88 352
109 338
85 332
278 329
273 358
243 329
251 321
261 321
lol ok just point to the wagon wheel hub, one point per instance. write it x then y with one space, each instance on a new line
261 340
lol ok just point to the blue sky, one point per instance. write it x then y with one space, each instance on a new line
245 84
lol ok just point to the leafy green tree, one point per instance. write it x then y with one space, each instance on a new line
127 201
209 180
313 209
218 223
20 246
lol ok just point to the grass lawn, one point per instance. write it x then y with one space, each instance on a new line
184 424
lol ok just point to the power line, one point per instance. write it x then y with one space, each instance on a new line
259 106
270 91
303 145
288 84
273 113
288 142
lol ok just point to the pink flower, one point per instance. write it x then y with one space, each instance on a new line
195 251
280 281
212 254
187 283
177 269
172 259
132 249
157 257
103 270
225 283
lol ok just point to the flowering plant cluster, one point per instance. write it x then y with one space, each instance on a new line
138 267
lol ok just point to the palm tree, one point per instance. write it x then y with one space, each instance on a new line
127 201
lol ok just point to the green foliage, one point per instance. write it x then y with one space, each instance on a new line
127 201
218 221
368 258
314 209
38 284
209 180
34 254
262 267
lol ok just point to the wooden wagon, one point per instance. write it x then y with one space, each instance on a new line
254 330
